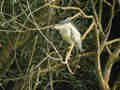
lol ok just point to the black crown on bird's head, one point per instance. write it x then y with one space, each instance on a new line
67 20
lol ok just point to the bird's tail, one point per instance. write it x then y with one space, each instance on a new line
80 47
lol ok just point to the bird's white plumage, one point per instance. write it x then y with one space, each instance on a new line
70 34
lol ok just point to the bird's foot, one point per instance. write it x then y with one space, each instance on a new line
64 62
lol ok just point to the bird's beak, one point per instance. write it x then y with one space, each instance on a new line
52 26
57 26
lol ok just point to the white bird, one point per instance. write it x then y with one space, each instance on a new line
71 35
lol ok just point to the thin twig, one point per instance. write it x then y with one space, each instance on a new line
73 8
112 41
88 30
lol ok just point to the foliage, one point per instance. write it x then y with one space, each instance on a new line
31 51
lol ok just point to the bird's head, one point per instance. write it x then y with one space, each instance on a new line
67 20
62 23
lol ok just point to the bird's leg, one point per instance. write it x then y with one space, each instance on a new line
69 54
68 58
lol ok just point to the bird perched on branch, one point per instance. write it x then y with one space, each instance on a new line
70 34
